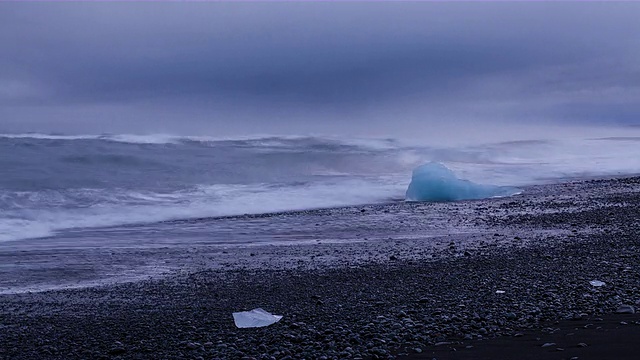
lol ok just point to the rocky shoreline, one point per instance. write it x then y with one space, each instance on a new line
524 266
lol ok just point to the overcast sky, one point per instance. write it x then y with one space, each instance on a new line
297 68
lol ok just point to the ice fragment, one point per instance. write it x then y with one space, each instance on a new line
435 182
255 318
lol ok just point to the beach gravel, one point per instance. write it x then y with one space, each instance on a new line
529 269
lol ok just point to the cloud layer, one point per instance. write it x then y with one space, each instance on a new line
364 68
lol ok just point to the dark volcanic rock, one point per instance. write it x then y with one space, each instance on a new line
625 309
374 299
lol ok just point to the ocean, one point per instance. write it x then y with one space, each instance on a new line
51 184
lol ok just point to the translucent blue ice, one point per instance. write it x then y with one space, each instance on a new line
435 182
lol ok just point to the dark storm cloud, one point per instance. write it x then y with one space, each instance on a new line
564 62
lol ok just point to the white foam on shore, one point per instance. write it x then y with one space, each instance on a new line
130 207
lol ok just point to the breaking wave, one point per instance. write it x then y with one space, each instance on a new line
42 213
53 182
268 141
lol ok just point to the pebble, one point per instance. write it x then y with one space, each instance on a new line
442 343
625 309
373 320
117 350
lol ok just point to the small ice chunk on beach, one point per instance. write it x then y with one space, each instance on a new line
596 283
255 318
435 182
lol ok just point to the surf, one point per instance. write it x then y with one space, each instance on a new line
53 182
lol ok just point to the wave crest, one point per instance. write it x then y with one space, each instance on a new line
266 141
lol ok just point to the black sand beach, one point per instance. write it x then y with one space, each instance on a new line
493 279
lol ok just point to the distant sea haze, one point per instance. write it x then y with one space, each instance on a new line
56 182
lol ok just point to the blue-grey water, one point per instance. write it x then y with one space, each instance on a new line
56 183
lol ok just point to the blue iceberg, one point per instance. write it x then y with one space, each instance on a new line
435 182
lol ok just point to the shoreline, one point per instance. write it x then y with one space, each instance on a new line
373 298
40 256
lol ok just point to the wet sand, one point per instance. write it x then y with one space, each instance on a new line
504 276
